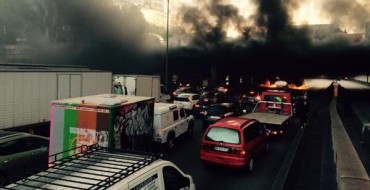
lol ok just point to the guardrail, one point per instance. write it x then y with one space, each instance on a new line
350 172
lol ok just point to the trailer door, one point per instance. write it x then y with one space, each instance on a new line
130 83
76 86
69 86
144 86
156 83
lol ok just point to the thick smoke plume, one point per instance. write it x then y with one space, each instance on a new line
271 42
262 37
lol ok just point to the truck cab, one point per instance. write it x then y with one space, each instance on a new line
276 101
171 121
275 109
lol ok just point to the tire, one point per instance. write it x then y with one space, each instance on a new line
267 147
191 128
171 141
3 179
250 166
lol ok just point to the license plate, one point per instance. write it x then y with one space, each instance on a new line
222 149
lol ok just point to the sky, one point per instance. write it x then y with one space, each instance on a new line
252 37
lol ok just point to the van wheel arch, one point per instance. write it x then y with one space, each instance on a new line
191 127
171 140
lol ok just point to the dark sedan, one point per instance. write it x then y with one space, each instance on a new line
219 111
21 153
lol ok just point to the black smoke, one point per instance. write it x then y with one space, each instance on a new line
281 48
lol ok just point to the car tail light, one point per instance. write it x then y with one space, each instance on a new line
238 151
244 96
205 146
197 105
206 100
251 92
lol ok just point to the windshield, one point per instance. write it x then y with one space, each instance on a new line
222 134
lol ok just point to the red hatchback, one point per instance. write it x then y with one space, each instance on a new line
234 142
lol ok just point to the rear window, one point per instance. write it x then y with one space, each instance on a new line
221 134
274 98
182 99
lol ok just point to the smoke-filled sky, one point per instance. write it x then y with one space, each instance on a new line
272 37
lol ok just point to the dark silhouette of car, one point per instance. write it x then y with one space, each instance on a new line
21 153
234 142
206 99
219 111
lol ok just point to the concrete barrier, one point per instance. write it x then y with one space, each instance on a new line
361 124
351 174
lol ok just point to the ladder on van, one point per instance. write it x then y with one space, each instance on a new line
91 167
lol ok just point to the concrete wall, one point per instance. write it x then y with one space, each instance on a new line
351 174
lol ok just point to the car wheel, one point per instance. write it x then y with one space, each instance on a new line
171 141
267 147
3 179
250 165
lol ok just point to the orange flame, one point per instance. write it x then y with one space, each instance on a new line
295 87
268 84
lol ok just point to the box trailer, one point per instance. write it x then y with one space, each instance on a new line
26 90
110 120
140 85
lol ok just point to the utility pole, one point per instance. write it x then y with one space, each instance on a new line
168 10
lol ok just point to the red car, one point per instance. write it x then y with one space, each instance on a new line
234 142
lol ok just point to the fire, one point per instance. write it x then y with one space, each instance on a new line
295 87
308 12
268 84
232 33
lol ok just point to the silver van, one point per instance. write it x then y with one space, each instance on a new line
94 167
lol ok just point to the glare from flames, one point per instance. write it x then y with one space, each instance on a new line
308 12
268 84
295 87
348 15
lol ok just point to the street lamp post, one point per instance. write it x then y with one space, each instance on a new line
168 10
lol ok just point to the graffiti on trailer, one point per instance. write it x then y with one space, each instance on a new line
133 120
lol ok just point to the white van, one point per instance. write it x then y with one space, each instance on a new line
103 168
171 121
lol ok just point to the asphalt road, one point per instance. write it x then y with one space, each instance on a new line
186 156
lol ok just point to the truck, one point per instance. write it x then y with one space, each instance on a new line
109 120
140 85
275 110
96 167
26 91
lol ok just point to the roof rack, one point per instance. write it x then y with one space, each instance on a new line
92 167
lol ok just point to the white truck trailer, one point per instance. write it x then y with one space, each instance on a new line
26 90
140 85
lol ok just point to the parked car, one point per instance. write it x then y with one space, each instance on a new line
234 142
219 111
187 100
20 152
184 89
